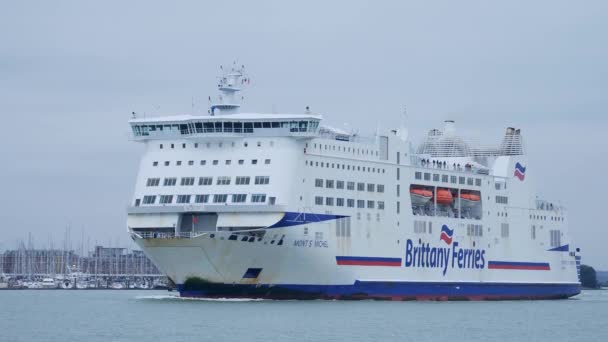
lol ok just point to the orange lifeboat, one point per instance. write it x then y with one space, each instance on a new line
444 197
420 196
468 200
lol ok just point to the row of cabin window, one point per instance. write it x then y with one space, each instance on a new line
345 149
544 218
214 162
221 180
448 178
329 184
345 167
350 203
204 198
220 144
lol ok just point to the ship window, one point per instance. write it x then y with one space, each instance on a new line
350 186
339 184
218 127
318 200
254 161
417 175
228 127
461 180
237 126
241 161
360 186
318 183
248 127
190 162
474 230
262 180
203 162
172 145
153 182
155 163
360 203
239 198
161 146
228 161
201 198
167 163
478 181
257 125
223 180
329 183
329 201
183 145
453 179
170 181
435 177
195 145
205 181
504 230
419 227
381 205
166 199
370 204
258 198
178 163
555 238
469 181
137 202
427 176
371 187
350 203
267 161
380 188
533 232
187 181
183 198
149 199
444 178
340 202
243 180
215 162
276 125
266 124
220 198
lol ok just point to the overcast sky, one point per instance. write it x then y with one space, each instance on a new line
71 74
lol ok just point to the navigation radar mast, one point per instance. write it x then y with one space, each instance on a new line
230 83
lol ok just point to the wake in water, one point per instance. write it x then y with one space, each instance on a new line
177 297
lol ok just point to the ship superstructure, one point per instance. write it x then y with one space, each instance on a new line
284 206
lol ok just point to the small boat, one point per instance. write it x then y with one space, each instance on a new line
444 197
420 196
468 200
48 283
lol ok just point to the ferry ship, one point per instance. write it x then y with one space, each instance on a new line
284 206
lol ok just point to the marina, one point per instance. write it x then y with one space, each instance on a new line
101 268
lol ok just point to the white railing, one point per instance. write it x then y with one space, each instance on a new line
166 235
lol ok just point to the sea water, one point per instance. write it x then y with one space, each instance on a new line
128 315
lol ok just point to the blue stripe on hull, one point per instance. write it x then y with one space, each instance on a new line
388 291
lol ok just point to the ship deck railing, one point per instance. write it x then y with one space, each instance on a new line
167 235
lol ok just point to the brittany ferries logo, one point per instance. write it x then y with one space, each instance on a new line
423 255
520 171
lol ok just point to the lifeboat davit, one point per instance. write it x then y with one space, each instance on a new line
444 197
469 200
420 196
